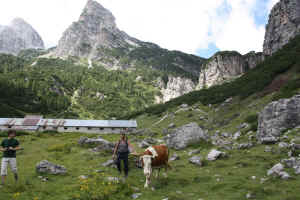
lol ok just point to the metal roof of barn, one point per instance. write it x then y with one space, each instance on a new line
51 122
3 121
101 123
67 123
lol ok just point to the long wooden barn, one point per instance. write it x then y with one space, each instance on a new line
38 124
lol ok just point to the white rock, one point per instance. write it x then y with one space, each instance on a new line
275 169
215 154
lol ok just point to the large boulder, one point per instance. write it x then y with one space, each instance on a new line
277 117
185 135
99 142
46 167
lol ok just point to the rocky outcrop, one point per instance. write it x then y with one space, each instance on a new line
175 87
277 117
186 135
47 167
252 59
283 25
225 66
19 35
94 32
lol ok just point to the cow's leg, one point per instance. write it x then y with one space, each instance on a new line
157 173
147 181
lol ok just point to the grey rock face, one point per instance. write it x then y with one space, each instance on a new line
278 116
19 35
283 25
186 135
95 29
175 87
225 66
46 167
252 59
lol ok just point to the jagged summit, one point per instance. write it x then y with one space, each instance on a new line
96 29
19 35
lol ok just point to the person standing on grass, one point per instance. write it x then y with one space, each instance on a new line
9 147
122 150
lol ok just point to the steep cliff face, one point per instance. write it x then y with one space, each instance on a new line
19 35
252 59
175 87
95 29
221 67
225 66
283 24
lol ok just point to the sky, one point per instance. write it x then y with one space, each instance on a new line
200 27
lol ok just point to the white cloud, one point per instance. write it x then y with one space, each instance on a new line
271 4
173 24
238 30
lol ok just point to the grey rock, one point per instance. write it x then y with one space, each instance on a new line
268 140
215 154
197 160
108 163
284 175
19 35
172 125
226 134
186 135
275 169
175 87
283 145
46 167
184 106
245 145
194 152
283 25
174 157
101 143
225 66
237 135
150 140
268 149
113 179
243 126
136 195
277 117
144 144
92 34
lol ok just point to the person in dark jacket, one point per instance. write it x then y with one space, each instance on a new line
9 147
122 150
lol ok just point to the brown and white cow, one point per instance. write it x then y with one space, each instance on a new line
154 157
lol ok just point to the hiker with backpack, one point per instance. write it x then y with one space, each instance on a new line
122 150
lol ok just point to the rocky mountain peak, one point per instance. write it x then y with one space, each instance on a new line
96 13
19 35
96 29
283 24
